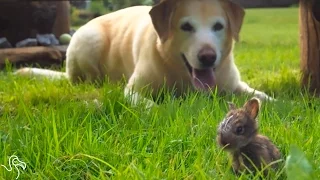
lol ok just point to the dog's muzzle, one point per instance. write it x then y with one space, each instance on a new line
186 63
204 78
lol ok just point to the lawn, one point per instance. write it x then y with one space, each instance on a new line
59 133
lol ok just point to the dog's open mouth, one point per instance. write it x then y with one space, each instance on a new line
203 79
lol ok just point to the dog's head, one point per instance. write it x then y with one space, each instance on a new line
201 31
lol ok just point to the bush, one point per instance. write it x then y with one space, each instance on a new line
75 19
98 8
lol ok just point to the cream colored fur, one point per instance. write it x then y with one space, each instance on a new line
146 49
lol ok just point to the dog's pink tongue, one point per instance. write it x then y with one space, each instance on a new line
203 78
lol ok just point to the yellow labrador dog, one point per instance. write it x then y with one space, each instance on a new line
177 44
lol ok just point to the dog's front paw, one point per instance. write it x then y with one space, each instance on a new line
94 103
263 96
149 104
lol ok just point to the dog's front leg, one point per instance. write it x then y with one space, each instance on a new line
134 97
132 94
245 88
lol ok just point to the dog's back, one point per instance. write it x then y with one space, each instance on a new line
103 46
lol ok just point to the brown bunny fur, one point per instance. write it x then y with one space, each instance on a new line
238 134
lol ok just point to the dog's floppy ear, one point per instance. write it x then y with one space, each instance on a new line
161 18
235 15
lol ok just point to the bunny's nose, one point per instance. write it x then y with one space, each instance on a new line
223 142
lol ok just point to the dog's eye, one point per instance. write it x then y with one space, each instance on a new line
187 27
240 130
217 27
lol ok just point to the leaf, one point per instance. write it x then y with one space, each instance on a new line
297 165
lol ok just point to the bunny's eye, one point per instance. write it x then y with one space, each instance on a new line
240 130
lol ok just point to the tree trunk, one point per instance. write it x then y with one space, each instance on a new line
310 45
24 19
62 21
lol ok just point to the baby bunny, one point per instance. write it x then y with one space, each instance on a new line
238 134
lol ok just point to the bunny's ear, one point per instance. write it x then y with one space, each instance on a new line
231 106
252 107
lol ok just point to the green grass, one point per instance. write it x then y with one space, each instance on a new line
49 126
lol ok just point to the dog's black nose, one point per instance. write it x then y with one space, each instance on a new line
207 56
